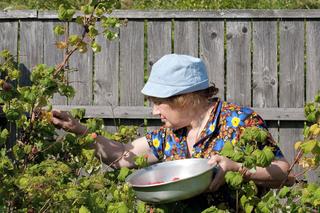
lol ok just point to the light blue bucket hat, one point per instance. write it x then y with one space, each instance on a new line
175 74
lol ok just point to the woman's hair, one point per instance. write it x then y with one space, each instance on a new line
190 99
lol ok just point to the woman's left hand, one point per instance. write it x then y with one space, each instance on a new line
224 165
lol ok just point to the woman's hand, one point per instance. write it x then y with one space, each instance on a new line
224 165
64 120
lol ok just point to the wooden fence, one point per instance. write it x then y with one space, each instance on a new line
266 59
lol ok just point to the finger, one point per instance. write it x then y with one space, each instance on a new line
63 115
57 122
217 181
214 160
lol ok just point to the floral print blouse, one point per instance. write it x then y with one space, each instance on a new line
226 123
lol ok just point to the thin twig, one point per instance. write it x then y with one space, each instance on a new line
237 201
302 173
43 207
113 116
296 160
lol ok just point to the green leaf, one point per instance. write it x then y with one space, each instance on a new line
88 154
264 157
27 148
84 209
124 172
123 208
308 146
248 208
317 97
67 91
250 188
269 155
12 115
234 179
5 54
243 200
65 14
14 74
312 117
262 136
23 182
3 136
284 192
99 12
248 150
227 150
95 47
238 156
78 113
110 35
74 39
140 161
141 207
87 9
59 30
92 31
72 193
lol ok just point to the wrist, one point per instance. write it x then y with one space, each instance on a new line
244 171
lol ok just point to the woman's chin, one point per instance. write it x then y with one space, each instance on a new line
170 126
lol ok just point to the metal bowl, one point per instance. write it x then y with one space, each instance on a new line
172 181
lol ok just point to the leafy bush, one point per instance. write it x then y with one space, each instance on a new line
168 4
46 172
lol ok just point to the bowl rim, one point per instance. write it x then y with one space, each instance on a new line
211 167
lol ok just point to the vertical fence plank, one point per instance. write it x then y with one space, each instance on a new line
106 75
132 66
186 37
9 36
51 54
264 70
9 41
131 63
264 73
106 68
313 71
212 51
31 48
159 40
239 62
291 81
159 44
313 60
81 79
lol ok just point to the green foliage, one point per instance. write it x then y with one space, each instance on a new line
164 4
78 113
234 179
301 197
44 172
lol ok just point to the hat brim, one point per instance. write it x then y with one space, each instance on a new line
164 91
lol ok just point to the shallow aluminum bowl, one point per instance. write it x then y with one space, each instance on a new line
172 181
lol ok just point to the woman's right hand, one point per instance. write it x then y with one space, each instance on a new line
64 120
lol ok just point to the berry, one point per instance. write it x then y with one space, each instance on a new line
94 135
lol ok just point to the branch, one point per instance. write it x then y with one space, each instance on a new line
296 160
86 25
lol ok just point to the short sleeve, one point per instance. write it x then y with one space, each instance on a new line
156 142
255 120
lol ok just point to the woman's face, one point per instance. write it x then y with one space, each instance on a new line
172 117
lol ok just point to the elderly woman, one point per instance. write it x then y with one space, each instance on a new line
196 125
